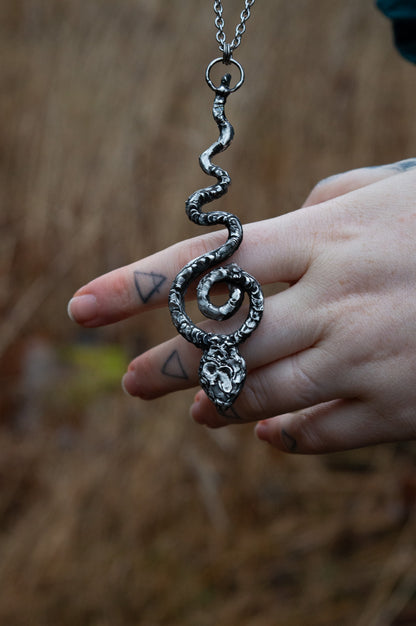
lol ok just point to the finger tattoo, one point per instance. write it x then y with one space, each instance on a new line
173 367
147 284
231 413
403 166
289 441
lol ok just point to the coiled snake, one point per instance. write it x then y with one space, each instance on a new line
222 369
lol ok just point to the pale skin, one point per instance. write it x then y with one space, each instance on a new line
332 365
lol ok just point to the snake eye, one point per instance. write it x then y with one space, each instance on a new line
225 379
209 370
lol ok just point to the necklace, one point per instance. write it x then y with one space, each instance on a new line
222 369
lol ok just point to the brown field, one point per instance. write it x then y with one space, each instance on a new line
114 512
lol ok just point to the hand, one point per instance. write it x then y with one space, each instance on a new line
332 365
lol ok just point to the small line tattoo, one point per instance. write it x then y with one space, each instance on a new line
289 441
173 367
147 284
407 164
231 413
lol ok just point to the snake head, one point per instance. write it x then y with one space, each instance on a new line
223 88
222 372
226 80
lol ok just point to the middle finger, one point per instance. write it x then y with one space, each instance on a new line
292 322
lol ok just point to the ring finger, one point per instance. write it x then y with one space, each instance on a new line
301 381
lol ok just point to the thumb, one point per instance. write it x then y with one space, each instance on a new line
340 184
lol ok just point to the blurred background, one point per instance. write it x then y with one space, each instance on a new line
113 511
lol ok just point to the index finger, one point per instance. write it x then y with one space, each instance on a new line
274 250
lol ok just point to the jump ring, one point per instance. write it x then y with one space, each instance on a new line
227 54
221 60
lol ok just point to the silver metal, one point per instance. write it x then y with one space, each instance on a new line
240 28
222 369
221 60
227 54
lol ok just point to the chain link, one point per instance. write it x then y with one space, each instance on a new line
240 28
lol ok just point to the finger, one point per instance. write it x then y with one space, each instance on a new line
340 184
292 322
276 250
291 384
330 427
273 251
172 366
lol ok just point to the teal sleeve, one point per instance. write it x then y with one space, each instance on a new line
403 15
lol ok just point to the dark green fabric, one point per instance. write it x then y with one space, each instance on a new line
403 15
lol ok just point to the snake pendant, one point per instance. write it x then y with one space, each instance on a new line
222 369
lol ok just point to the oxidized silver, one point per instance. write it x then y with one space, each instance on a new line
228 60
222 369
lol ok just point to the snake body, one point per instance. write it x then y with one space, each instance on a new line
222 370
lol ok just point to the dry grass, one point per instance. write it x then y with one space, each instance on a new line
113 512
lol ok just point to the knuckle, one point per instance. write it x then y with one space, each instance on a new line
114 291
188 250
305 388
302 437
255 396
122 289
144 368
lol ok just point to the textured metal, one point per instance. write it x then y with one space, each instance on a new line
239 30
222 370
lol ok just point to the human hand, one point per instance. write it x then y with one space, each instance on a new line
332 365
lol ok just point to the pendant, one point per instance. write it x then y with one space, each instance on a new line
222 369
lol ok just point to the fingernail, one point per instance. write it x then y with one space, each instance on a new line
123 386
262 431
83 309
195 410
198 396
128 383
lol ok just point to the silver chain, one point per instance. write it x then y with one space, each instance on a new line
240 28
